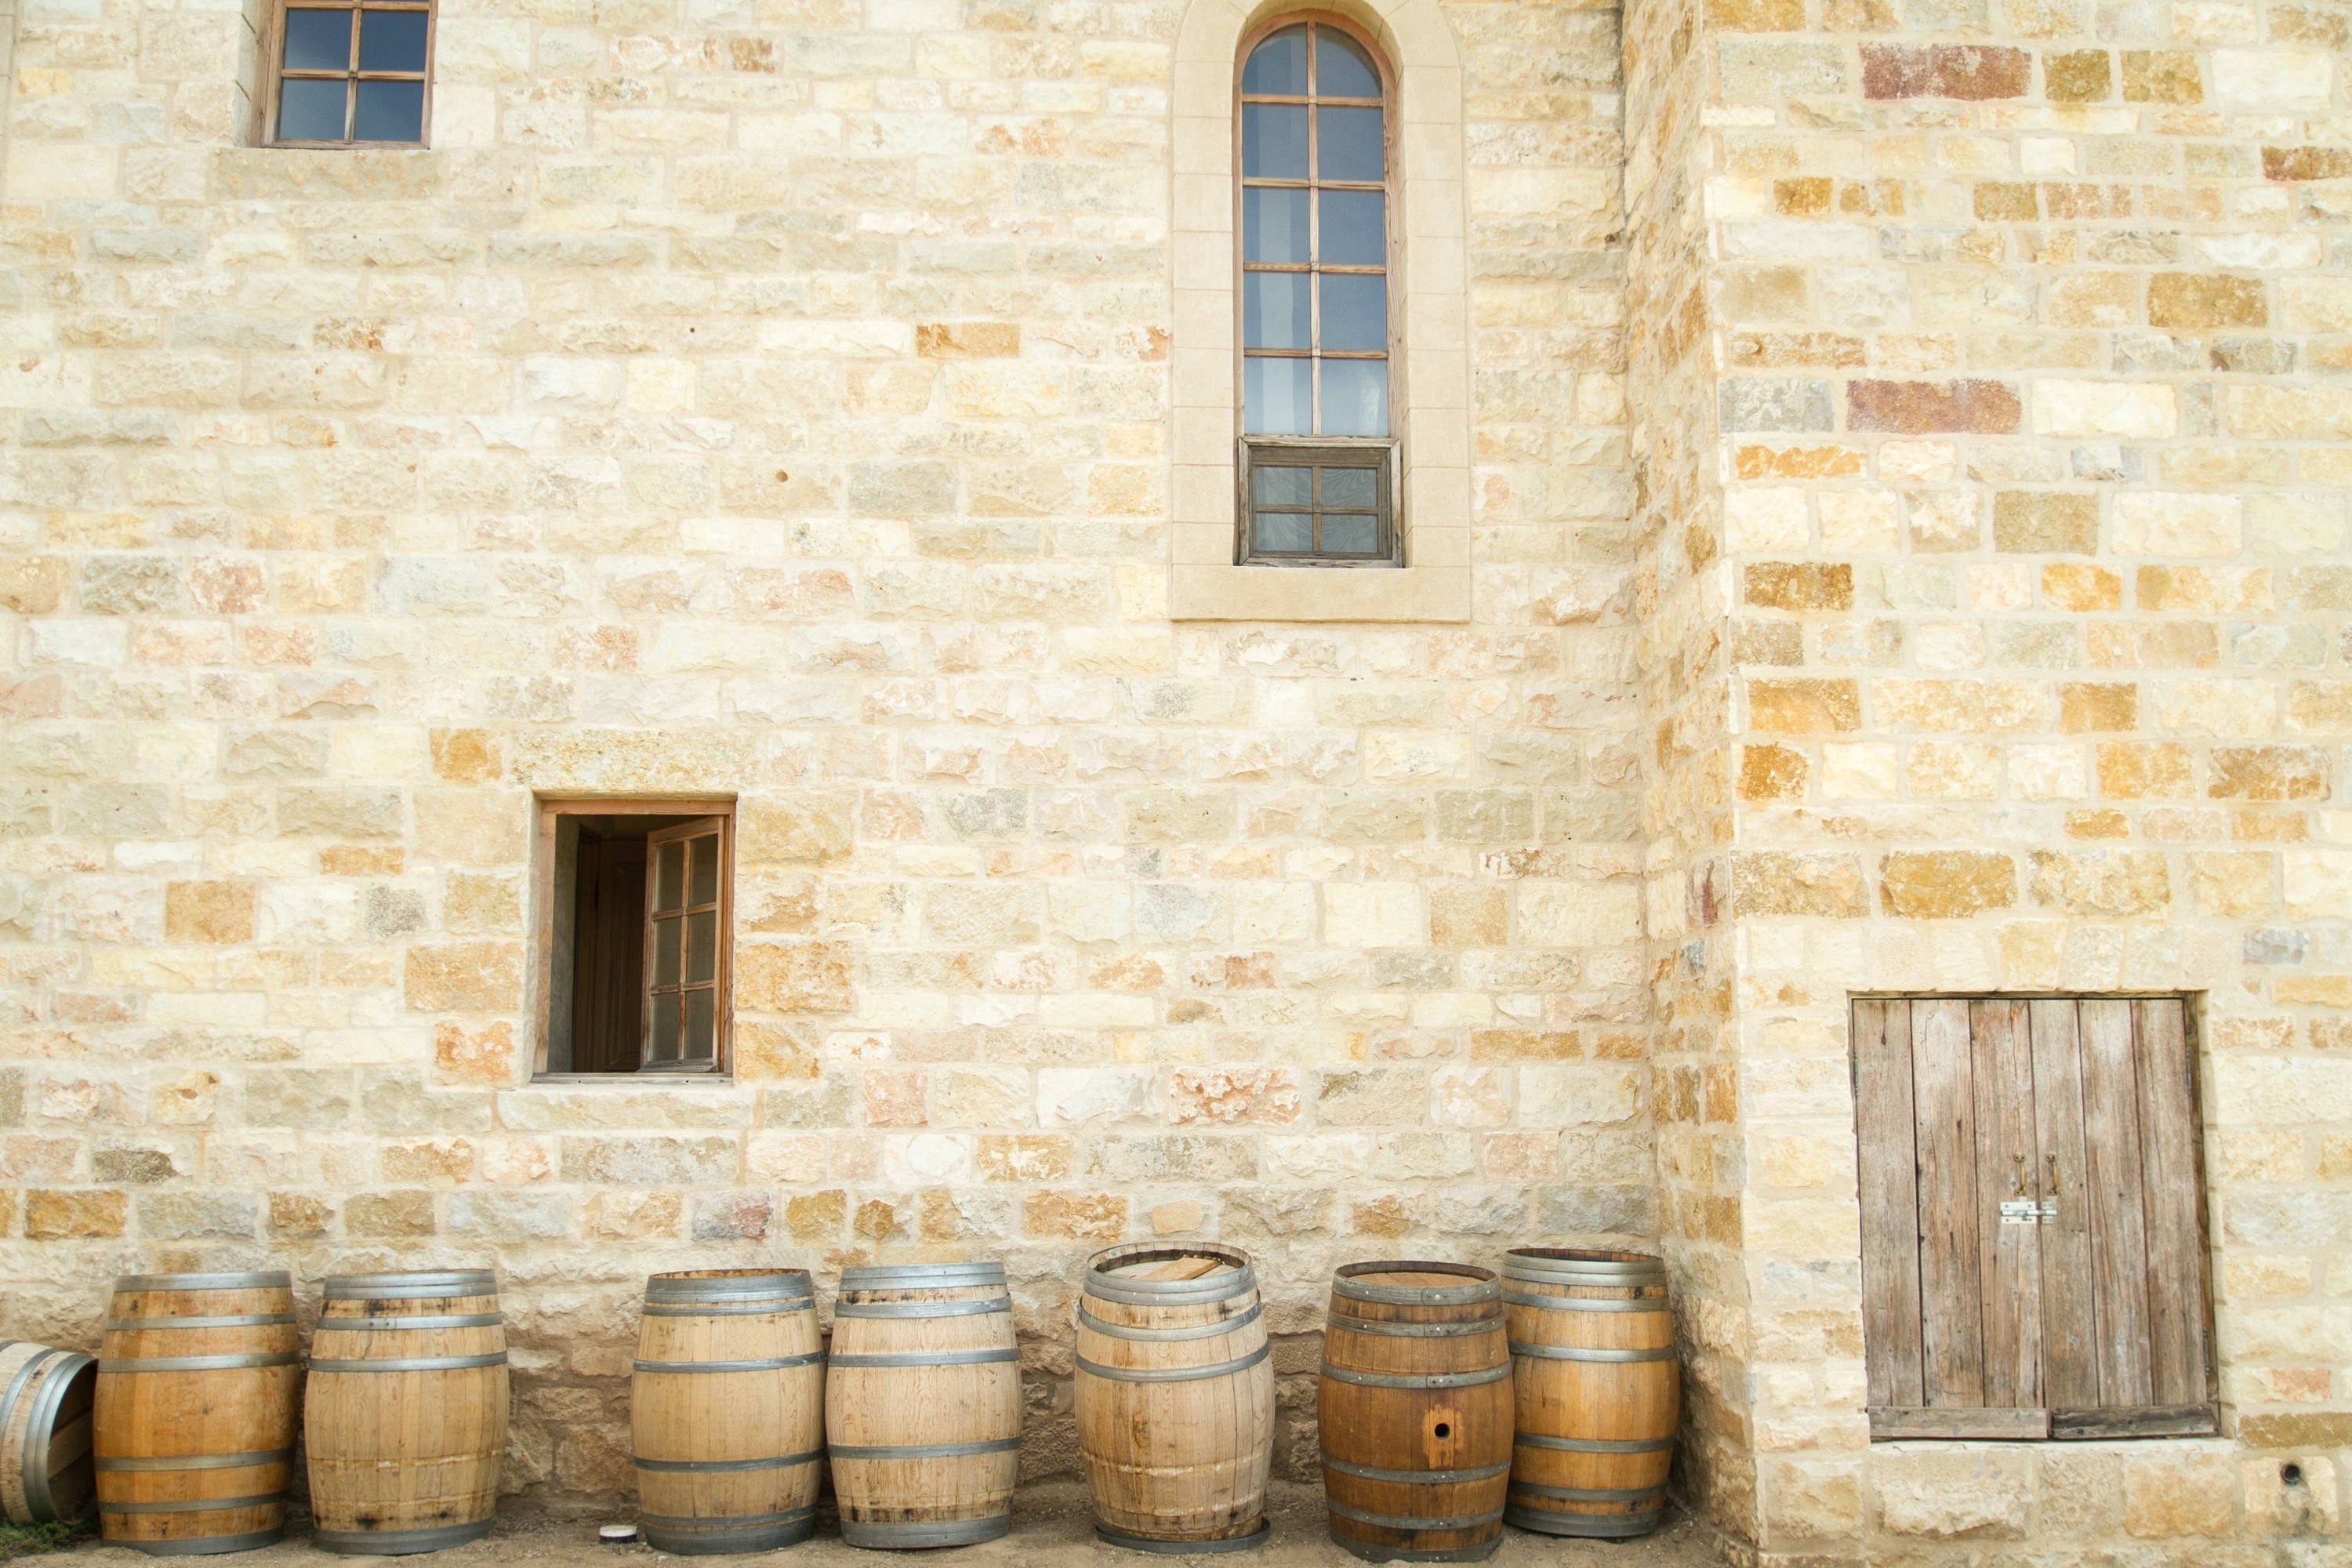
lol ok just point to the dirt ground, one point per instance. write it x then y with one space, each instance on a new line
1051 1528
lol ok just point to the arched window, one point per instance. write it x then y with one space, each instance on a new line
1318 483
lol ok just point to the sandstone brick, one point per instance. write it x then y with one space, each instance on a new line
1803 707
1986 407
2040 522
2161 76
1780 884
208 911
1947 884
2077 76
1965 71
2286 164
2103 883
1771 773
2194 302
1799 585
464 977
2268 773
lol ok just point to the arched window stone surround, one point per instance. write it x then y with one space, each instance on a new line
1434 379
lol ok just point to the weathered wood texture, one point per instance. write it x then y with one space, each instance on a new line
1415 1411
1174 1393
1598 1391
2034 1257
196 1458
922 1406
45 1433
406 1414
727 1410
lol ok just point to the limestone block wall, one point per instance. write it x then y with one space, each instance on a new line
770 401
2026 328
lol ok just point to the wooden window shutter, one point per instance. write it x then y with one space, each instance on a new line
2033 1253
687 887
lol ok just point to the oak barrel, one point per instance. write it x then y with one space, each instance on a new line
1416 1411
1592 1349
922 1404
198 1377
727 1410
45 1432
407 1410
1175 1397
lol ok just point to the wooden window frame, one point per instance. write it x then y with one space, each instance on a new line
1387 446
1378 457
274 73
542 930
2100 1346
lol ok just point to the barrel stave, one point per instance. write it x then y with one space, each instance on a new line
196 1373
727 1410
1599 1391
46 1396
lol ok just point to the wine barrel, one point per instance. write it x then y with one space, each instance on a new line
727 1410
198 1377
1416 1412
1175 1397
1592 1350
45 1433
922 1404
407 1410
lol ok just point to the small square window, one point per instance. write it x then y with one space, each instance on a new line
634 936
1317 504
352 74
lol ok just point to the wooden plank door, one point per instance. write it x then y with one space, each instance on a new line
1889 1173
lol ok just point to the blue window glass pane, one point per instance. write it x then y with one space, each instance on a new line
1285 530
1356 310
1279 66
319 41
1346 534
311 110
1274 309
1278 398
1274 223
1349 145
390 111
1351 487
1273 139
392 41
1355 397
1282 487
1341 70
1355 228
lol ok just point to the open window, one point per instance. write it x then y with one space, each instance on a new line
2033 1253
636 902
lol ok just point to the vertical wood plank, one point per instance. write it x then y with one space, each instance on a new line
2010 1255
2118 1200
2070 1361
2176 1273
1951 1291
1889 1180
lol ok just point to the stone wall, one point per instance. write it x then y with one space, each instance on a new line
770 401
2026 330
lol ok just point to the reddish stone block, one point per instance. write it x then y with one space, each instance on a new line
2307 163
1983 408
1972 72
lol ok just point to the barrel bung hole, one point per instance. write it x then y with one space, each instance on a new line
1442 1429
2290 1474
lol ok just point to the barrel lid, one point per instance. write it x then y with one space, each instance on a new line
410 1285
729 1285
1576 1266
257 1279
1123 1273
1407 1282
922 1276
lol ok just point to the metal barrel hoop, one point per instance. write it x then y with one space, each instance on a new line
207 1545
398 1542
413 1364
1582 1352
922 1276
1594 1526
439 1320
1417 1380
730 1287
1414 1331
765 1363
40 1499
420 1286
200 1461
1128 1291
1194 1331
1415 1477
1587 1303
925 1358
1414 1521
1592 1494
932 1533
979 1308
767 1308
195 1504
1481 1284
199 1363
257 1279
233 1321
1176 1373
780 1462
1254 1538
1592 1444
922 1450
